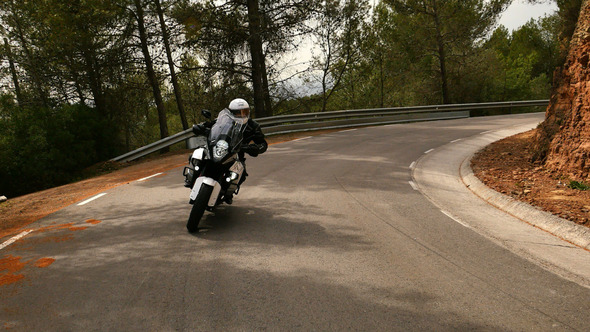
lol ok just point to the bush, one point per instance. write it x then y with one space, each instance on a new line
45 147
579 185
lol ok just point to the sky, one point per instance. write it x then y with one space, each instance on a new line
521 12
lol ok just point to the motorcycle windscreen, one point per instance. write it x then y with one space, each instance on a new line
227 128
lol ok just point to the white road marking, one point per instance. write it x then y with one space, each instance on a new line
457 140
14 239
412 165
300 139
414 186
346 131
429 151
149 177
91 199
485 132
455 219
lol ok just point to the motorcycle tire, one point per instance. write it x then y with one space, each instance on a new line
199 207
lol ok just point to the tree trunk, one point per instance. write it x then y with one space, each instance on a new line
381 81
94 79
177 92
31 64
150 71
262 105
442 57
76 78
325 74
563 139
265 89
19 97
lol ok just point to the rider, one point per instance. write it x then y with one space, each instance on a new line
253 133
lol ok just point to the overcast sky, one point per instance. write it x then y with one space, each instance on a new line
520 13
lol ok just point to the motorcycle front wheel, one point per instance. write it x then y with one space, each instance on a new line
199 207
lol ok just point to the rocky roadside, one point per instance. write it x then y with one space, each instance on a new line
506 167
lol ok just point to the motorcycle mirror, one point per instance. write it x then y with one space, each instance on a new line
206 114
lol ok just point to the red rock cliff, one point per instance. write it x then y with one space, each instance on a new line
566 128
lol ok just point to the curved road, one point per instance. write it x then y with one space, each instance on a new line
327 234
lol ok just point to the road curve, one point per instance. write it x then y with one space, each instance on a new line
328 233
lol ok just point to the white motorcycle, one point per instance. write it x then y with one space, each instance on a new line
215 169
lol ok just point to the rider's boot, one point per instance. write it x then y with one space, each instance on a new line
229 199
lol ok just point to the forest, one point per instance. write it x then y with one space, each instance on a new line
82 81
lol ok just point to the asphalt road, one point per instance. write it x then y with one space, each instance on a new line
327 234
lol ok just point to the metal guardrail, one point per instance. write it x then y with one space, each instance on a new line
156 146
283 124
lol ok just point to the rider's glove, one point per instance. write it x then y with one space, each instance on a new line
251 149
199 129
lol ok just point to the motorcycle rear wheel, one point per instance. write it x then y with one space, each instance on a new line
199 207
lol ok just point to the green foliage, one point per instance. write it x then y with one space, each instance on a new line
524 60
440 36
41 147
398 52
569 10
579 185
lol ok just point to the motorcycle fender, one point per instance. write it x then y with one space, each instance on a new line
199 154
210 182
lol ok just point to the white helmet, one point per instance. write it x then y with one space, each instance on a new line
240 108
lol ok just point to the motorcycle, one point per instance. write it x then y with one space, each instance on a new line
215 169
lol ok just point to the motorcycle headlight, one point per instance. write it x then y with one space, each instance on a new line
220 149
